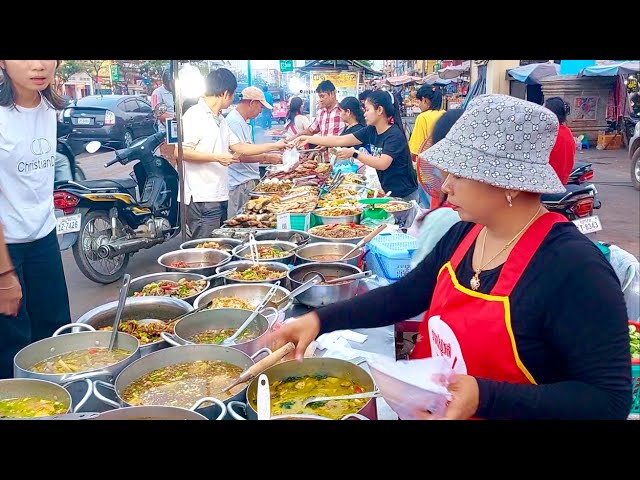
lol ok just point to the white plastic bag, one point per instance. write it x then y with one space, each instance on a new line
413 387
289 158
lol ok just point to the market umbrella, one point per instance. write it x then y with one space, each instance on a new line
454 71
534 72
402 80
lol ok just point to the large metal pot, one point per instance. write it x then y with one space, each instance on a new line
26 358
228 243
307 253
160 308
400 216
252 293
321 295
323 219
151 412
242 265
299 237
241 250
31 387
317 238
221 318
137 284
208 257
173 356
312 366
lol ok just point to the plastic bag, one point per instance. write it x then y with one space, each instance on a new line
289 158
413 387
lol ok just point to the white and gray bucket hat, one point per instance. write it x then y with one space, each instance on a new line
503 141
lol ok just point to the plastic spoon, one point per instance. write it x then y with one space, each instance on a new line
263 398
124 289
309 400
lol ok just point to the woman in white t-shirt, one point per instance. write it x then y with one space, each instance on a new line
296 121
33 292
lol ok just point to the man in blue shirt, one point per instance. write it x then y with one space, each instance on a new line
266 114
244 176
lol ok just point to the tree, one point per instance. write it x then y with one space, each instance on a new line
93 68
66 70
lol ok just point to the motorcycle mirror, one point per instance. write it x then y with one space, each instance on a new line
93 147
159 109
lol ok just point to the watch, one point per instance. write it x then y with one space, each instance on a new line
355 154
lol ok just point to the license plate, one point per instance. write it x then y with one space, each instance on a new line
69 224
84 121
588 224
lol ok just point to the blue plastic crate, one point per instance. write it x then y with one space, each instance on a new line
390 255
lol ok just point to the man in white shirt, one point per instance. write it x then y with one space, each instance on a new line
244 176
208 145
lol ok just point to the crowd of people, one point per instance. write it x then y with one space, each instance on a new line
495 274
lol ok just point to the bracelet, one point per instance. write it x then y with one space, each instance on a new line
11 270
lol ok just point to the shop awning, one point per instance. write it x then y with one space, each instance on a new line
402 80
611 70
532 74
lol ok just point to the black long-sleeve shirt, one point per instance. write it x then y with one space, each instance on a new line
568 317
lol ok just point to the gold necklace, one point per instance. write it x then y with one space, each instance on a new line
475 280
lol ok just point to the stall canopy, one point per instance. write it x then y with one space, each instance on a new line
315 65
454 71
611 70
532 74
402 80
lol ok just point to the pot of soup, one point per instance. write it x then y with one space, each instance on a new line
324 294
292 382
64 358
214 326
32 398
135 319
155 412
328 252
182 377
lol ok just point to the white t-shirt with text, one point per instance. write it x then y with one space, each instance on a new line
27 171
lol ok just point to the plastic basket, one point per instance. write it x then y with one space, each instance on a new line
635 381
390 255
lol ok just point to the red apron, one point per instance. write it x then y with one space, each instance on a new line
473 329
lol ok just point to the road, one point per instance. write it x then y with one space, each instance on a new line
620 216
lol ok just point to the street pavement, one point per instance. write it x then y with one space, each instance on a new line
620 217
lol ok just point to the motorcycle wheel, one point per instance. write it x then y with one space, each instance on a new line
635 169
95 231
80 173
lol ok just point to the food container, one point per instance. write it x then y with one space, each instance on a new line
228 243
251 292
242 265
317 238
299 237
308 253
203 260
322 219
138 283
321 295
241 250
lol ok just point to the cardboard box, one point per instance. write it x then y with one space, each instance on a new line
610 141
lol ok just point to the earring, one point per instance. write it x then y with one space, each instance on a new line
509 199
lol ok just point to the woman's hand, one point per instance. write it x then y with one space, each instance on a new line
301 141
10 295
301 331
464 402
345 153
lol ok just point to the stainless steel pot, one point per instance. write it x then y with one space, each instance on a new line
151 412
241 250
58 344
321 295
242 265
311 366
218 319
173 356
307 253
299 237
251 292
160 308
322 219
317 238
229 243
400 216
31 387
205 256
137 284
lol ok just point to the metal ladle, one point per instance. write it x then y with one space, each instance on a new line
374 394
124 289
355 276
364 241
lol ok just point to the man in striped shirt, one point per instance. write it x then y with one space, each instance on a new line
327 121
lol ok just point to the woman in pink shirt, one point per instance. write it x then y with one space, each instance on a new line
564 151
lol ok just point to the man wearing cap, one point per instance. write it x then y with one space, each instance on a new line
244 176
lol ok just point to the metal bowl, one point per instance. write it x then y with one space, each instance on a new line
150 412
298 237
401 215
161 308
241 250
252 293
328 219
230 243
322 295
138 283
209 258
11 388
317 238
242 265
307 253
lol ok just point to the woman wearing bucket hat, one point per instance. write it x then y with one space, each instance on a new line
526 309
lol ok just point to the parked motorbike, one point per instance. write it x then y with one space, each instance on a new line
106 221
577 203
63 148
582 173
